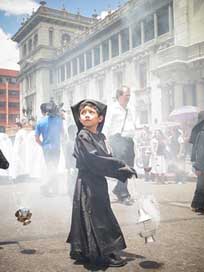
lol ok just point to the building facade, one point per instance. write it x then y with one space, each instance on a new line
9 98
156 47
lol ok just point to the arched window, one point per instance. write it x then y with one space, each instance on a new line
51 31
65 39
30 45
35 40
24 49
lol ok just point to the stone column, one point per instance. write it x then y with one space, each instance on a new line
142 32
178 95
59 75
120 43
170 19
92 57
200 94
164 104
130 37
101 53
85 64
155 26
78 70
71 69
110 48
65 72
181 22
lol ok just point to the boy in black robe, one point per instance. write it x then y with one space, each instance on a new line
95 233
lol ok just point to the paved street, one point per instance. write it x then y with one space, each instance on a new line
41 245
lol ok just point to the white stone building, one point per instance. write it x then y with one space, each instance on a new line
154 46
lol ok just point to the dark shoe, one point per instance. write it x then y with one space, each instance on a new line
79 258
115 261
198 210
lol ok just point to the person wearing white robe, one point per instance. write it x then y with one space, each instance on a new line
18 164
35 163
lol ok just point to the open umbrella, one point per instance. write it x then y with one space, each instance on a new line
184 113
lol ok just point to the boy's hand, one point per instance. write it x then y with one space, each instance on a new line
129 171
134 172
198 173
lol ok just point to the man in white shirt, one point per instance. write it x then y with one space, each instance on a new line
120 131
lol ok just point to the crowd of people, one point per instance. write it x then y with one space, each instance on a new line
39 149
39 146
24 155
163 152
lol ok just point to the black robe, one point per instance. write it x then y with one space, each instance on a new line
197 157
94 229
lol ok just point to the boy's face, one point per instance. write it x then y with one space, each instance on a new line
90 118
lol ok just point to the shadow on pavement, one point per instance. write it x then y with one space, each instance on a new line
150 265
28 251
130 256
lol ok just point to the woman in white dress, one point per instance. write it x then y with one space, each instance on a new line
158 160
18 165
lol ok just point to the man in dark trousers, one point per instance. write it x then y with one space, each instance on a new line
120 130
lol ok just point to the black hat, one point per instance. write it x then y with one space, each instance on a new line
100 106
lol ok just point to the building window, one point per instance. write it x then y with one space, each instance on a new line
100 86
114 45
189 95
118 79
143 75
14 105
125 40
2 104
13 93
68 69
62 72
24 50
105 50
163 20
136 35
30 81
3 117
149 28
74 66
65 39
13 80
143 117
96 55
197 5
2 92
51 36
89 59
81 63
170 95
30 45
13 117
35 40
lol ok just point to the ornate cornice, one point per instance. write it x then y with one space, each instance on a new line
59 17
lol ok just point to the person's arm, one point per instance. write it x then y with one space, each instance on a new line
37 139
37 135
101 164
199 154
